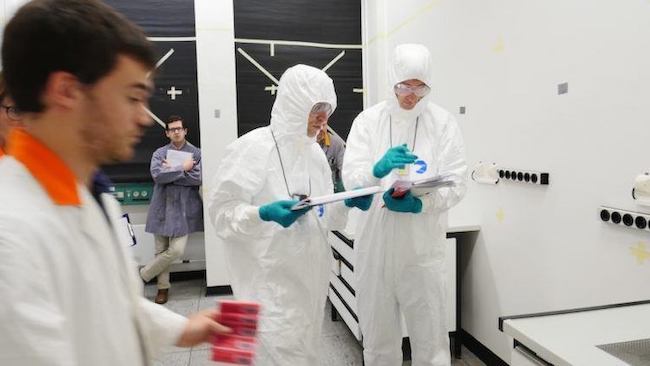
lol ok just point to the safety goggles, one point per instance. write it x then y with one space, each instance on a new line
321 107
403 89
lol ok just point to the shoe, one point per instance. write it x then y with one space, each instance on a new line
162 296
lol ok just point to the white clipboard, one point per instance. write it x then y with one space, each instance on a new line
420 187
125 231
331 198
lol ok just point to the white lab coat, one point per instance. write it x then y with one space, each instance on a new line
286 270
400 256
70 293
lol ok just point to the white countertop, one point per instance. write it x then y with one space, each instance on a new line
462 228
455 226
450 230
571 339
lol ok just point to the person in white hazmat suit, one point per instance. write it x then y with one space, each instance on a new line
400 242
278 257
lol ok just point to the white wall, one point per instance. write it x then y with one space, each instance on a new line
215 47
7 10
503 59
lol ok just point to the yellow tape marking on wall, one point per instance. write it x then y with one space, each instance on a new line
498 46
501 215
418 13
640 252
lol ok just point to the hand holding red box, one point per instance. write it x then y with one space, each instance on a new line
238 347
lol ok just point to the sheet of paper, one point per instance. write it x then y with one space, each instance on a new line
331 198
176 158
422 186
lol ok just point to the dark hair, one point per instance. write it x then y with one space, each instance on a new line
174 118
3 87
82 37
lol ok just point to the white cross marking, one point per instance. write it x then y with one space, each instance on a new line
173 92
271 89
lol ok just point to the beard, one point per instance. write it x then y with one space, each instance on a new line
100 140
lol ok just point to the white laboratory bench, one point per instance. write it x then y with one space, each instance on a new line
572 337
342 283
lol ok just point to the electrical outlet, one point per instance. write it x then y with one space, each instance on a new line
626 218
524 176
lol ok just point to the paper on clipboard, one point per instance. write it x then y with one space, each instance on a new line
420 187
176 158
331 198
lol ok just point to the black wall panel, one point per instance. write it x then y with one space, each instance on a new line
330 22
163 19
159 18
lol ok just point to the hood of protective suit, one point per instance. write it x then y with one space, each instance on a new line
410 61
301 87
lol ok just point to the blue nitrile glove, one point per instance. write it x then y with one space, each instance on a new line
406 203
280 212
363 203
395 157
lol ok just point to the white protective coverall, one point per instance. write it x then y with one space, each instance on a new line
70 292
286 270
400 256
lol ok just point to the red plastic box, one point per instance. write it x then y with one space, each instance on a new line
239 307
233 356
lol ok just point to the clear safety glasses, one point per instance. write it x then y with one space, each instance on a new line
403 89
321 107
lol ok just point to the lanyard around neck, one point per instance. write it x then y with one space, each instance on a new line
284 175
390 131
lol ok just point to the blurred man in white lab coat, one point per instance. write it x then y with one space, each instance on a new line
400 242
70 294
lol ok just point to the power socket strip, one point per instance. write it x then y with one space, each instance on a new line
626 218
524 176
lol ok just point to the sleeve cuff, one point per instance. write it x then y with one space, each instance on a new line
165 326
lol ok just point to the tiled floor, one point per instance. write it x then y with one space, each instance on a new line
340 348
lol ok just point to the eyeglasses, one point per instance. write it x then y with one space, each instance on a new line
404 89
175 129
321 107
12 112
